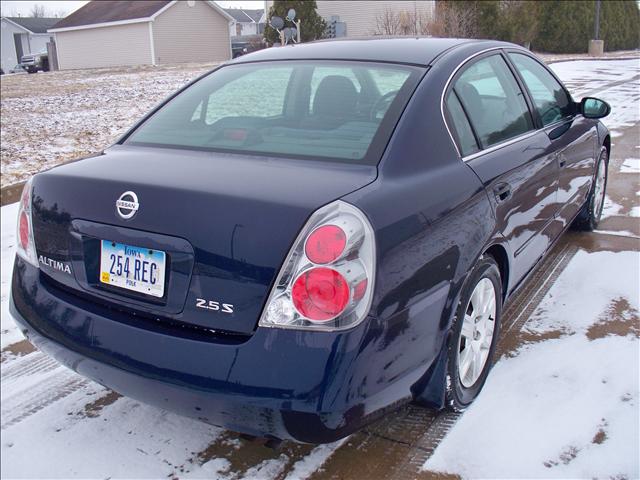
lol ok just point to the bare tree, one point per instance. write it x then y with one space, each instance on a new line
404 22
387 23
452 20
38 11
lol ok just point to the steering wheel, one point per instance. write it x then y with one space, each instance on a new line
381 105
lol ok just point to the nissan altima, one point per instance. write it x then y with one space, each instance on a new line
309 236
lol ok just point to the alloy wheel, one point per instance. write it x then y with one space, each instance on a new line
599 189
476 336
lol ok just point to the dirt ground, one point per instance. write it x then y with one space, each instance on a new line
395 447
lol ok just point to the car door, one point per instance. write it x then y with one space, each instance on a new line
497 137
573 137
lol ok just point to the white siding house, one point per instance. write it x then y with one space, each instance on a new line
104 47
23 35
105 34
207 38
361 17
245 21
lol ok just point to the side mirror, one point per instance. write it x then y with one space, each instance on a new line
594 108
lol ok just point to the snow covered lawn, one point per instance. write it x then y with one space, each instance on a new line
50 118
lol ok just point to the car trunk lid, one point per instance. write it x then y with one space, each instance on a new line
225 221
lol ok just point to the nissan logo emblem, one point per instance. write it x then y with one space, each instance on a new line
127 205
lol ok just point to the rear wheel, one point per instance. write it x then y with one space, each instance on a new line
589 216
474 334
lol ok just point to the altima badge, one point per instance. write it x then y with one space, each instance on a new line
127 205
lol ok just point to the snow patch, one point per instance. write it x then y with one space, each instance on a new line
9 332
630 165
563 408
610 208
304 468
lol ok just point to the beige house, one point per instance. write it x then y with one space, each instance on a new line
105 33
361 16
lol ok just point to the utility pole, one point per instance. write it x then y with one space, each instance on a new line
597 21
596 46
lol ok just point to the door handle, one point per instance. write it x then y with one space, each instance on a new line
562 160
502 191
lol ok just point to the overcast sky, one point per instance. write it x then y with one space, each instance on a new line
22 8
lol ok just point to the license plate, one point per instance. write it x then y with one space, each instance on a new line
132 268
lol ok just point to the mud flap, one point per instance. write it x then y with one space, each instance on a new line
430 389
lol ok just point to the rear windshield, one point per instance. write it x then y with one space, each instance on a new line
343 111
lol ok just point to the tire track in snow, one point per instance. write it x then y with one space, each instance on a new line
27 365
34 396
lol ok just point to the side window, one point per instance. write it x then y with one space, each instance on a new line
551 100
264 95
493 101
466 139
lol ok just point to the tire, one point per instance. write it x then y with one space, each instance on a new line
591 212
462 388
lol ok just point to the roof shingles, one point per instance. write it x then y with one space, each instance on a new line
105 11
244 15
35 25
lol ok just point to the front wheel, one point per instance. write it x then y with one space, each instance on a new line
474 334
589 217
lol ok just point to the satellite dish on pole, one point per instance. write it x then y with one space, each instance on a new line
277 23
291 15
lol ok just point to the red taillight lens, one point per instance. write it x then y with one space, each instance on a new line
26 246
320 294
325 244
24 230
360 289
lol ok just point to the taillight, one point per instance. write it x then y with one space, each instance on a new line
23 230
326 281
320 294
26 246
325 244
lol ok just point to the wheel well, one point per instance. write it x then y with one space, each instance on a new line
607 144
499 254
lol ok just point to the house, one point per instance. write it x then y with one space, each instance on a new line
245 21
360 18
105 33
22 35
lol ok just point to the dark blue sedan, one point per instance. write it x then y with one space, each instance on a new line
309 236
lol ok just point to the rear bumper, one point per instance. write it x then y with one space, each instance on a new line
302 386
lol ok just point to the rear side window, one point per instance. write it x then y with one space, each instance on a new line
493 101
550 99
466 139
343 111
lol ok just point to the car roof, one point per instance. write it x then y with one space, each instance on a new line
410 50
